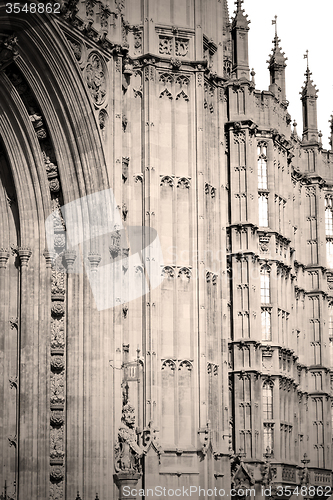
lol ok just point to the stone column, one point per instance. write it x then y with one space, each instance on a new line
24 439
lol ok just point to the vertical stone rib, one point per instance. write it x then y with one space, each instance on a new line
73 483
24 437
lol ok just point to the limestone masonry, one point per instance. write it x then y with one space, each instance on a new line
171 330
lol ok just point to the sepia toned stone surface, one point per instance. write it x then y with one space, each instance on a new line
218 373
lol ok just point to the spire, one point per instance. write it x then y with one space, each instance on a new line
309 89
309 102
240 20
276 66
239 32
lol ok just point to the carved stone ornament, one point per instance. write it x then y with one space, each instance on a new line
70 256
56 474
56 443
268 473
57 388
137 42
241 474
56 491
165 45
56 419
59 241
76 48
167 181
176 63
150 439
102 119
96 80
127 451
24 255
8 50
4 256
205 435
57 334
58 309
13 323
57 363
94 259
168 272
181 47
183 183
58 284
54 185
120 5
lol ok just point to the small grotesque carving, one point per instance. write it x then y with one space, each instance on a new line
175 63
128 452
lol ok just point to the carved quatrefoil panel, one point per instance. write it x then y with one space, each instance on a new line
96 78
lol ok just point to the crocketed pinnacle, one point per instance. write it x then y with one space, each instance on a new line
330 121
309 89
277 58
240 20
226 19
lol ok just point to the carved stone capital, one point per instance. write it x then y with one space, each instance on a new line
70 256
94 259
4 256
24 254
49 258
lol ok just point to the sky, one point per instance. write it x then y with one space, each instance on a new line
301 25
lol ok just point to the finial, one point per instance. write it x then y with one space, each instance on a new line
253 74
239 4
269 453
309 89
275 22
305 460
320 135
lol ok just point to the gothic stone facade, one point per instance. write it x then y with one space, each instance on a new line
226 366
